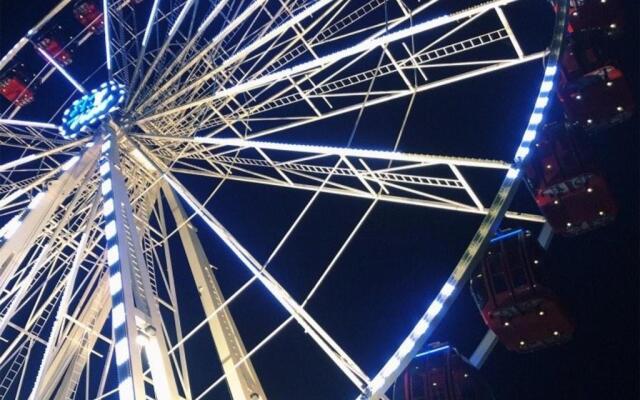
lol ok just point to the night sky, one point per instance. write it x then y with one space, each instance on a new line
401 256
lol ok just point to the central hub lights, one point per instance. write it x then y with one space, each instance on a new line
87 112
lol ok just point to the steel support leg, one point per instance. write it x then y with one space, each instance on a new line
243 381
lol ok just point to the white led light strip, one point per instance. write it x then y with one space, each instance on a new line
107 34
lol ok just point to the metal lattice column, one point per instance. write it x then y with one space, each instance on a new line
135 315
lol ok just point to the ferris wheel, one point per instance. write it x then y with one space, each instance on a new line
112 160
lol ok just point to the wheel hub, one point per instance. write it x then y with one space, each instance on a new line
88 111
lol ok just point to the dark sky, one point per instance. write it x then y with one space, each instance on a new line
399 259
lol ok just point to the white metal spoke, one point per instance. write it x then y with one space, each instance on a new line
172 32
107 36
306 167
66 297
330 28
63 71
339 151
32 124
243 381
36 156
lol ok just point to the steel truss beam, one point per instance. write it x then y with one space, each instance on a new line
304 167
51 349
37 156
45 253
321 62
19 234
39 278
62 371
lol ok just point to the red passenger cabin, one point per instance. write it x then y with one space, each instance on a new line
441 373
89 15
603 15
523 313
14 86
566 182
593 92
55 45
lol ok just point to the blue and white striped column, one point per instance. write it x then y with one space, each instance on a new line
118 317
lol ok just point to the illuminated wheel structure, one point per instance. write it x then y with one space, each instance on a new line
94 210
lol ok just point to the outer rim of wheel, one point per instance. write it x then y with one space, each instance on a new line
432 316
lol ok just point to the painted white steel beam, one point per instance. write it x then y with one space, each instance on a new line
211 43
69 356
406 200
20 190
46 253
330 27
37 156
167 41
270 35
336 151
107 37
62 70
289 123
30 124
32 32
303 174
243 381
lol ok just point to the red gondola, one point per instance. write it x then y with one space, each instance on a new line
593 93
524 314
441 373
55 45
89 15
566 183
604 15
583 53
14 86
597 100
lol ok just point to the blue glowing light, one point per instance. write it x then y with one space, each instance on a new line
91 108
436 350
503 236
